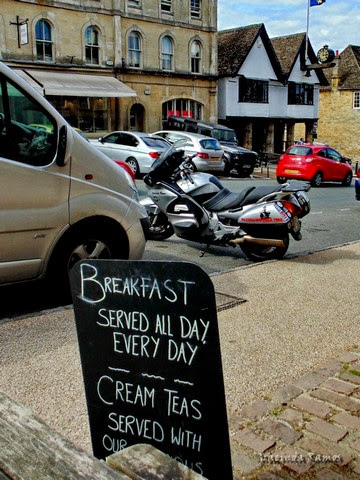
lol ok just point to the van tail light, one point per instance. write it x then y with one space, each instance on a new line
203 155
154 154
358 173
293 209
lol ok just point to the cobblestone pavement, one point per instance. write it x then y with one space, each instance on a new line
308 429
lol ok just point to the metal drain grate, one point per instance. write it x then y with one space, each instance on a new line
225 301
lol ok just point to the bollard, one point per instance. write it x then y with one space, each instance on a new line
356 167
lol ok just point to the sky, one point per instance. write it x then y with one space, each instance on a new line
335 23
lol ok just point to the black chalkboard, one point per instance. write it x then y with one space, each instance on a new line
150 354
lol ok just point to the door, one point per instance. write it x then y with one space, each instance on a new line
337 168
34 190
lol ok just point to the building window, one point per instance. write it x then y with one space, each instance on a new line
253 91
195 54
182 107
167 53
90 114
195 9
43 41
166 6
300 94
356 102
134 3
92 46
134 50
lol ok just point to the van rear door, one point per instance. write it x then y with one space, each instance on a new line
34 189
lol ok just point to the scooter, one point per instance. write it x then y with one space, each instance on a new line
196 207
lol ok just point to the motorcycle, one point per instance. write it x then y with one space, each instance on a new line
197 207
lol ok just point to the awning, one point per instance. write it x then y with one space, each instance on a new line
76 84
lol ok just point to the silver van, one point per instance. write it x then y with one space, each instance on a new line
61 199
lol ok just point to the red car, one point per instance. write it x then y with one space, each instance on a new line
315 163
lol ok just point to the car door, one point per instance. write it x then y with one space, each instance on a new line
338 169
34 190
108 144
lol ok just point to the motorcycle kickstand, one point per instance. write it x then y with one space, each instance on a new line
202 253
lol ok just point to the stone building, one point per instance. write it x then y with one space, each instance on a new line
339 113
265 87
116 64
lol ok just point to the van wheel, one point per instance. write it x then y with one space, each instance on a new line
281 179
88 244
317 179
133 164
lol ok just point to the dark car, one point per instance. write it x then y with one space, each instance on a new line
235 157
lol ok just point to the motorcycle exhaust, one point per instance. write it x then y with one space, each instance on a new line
270 242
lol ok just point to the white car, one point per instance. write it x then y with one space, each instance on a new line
138 149
209 153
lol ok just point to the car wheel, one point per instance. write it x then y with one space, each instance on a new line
281 179
189 165
317 179
133 164
347 180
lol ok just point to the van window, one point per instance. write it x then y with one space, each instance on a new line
27 132
224 135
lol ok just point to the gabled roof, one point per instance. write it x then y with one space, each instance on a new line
349 68
235 44
289 47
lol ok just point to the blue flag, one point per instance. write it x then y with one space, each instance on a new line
315 3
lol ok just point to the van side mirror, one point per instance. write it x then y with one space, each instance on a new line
61 152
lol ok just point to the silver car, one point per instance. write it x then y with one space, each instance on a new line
137 149
209 154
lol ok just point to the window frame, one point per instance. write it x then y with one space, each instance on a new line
300 93
170 107
196 61
195 9
133 51
166 6
44 43
92 47
167 56
356 100
252 90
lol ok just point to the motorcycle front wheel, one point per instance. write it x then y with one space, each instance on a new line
160 228
258 253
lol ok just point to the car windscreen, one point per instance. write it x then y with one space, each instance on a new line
299 151
155 142
210 144
224 135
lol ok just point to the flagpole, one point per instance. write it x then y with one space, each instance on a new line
307 31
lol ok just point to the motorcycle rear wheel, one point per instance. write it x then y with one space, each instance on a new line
160 228
259 253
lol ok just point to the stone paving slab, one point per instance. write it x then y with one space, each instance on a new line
308 429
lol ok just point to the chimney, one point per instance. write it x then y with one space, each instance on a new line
335 73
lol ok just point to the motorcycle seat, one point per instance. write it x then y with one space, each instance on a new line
259 192
225 200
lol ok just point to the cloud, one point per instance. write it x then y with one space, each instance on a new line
336 23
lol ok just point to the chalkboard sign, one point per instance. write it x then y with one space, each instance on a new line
151 361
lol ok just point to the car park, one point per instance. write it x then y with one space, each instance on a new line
316 163
237 158
62 200
206 152
357 185
137 149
